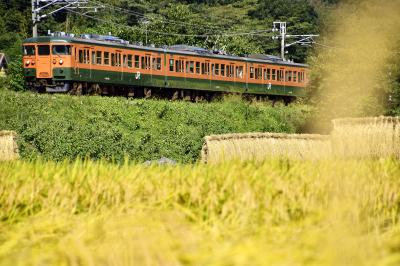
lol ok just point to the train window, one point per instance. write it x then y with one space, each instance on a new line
299 77
217 69
61 50
130 60
87 59
258 73
147 62
205 68
107 58
81 60
197 67
239 72
273 77
251 72
191 67
143 65
29 50
98 57
280 75
137 61
154 63
93 57
113 61
294 76
268 77
119 63
230 70
171 65
158 63
179 66
124 61
43 49
288 76
223 70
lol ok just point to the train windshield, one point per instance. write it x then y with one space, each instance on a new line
61 50
29 50
43 49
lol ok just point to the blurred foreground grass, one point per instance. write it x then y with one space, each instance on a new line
271 213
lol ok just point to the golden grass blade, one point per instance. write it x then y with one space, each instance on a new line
8 146
370 137
261 146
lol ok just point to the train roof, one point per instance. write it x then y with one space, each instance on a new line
115 42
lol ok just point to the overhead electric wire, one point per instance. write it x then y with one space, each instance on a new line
326 46
253 33
168 21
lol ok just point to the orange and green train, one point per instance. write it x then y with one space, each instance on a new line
107 65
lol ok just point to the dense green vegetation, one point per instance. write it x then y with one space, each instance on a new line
60 126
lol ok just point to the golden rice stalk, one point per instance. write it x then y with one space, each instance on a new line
261 146
371 137
8 146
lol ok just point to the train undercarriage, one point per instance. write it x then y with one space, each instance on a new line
86 88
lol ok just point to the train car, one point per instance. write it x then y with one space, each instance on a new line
108 65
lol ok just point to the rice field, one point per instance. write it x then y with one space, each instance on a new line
263 146
276 212
371 137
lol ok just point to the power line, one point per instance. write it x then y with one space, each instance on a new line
326 46
253 33
137 14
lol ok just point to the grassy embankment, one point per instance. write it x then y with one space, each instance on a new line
56 127
273 213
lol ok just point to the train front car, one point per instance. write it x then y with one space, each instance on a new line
47 63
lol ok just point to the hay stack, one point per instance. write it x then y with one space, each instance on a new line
8 146
261 146
371 137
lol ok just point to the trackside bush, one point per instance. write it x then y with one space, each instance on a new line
60 126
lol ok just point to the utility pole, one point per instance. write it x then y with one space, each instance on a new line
306 39
39 6
145 22
34 18
282 31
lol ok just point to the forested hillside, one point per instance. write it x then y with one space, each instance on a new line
223 24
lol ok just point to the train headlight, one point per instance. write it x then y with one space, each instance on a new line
54 61
61 61
33 63
27 63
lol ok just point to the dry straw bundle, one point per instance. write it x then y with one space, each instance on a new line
261 146
8 146
371 137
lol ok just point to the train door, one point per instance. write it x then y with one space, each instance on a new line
281 80
119 65
207 72
43 59
92 61
75 61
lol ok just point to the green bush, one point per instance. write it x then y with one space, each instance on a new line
57 127
15 76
